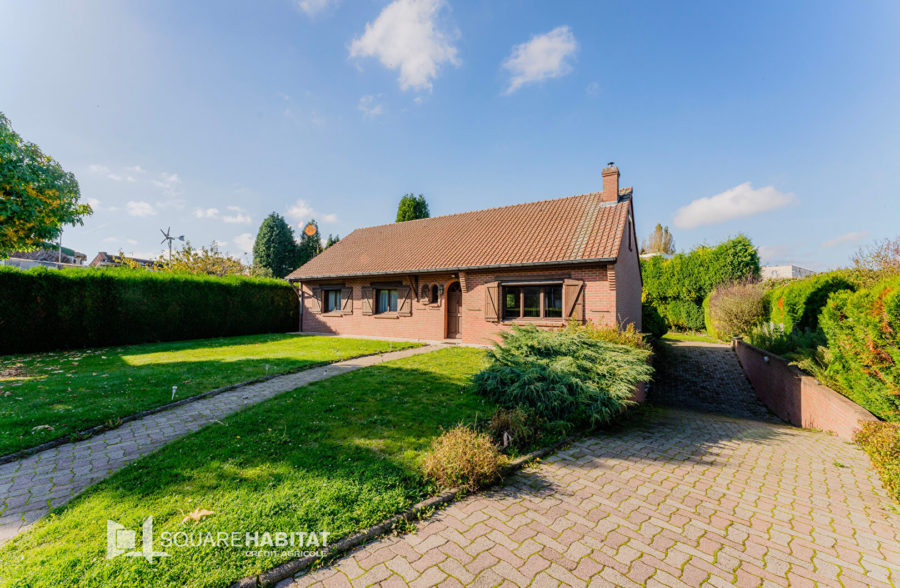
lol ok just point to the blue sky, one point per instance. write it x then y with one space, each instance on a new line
777 119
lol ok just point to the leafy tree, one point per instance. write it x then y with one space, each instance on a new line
206 260
332 239
412 207
310 245
275 248
659 241
37 196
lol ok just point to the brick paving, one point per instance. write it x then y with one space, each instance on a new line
719 495
30 487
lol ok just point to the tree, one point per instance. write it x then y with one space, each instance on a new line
37 196
332 239
659 241
412 207
310 245
275 248
206 260
877 261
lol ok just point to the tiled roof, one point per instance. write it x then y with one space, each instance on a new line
564 230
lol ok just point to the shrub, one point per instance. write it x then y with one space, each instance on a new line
805 349
734 309
563 375
798 303
43 309
684 315
652 322
462 457
514 428
627 336
882 442
863 333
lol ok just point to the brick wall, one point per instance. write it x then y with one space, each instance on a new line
798 398
628 278
428 321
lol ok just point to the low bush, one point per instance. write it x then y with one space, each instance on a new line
882 442
734 309
805 349
797 303
563 375
463 457
627 336
43 309
652 322
863 334
514 428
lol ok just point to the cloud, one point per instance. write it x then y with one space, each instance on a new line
369 108
302 212
314 8
543 57
169 183
238 216
847 238
244 242
406 37
738 202
207 213
118 240
140 208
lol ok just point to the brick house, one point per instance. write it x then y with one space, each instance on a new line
468 276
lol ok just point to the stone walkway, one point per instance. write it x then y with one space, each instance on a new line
719 495
32 486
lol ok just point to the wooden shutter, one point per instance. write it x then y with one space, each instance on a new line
404 301
492 302
573 299
366 300
315 301
346 300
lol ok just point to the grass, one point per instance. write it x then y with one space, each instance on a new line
698 337
50 395
338 456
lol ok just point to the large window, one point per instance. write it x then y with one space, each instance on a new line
544 301
385 301
332 300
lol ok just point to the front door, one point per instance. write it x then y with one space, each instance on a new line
454 311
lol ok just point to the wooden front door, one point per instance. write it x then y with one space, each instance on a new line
454 311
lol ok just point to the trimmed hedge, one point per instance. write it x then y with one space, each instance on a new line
882 442
798 303
43 309
863 333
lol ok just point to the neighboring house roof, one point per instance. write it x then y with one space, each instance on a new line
565 230
50 252
104 258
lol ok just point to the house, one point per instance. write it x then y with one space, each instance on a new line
47 255
469 276
778 272
104 259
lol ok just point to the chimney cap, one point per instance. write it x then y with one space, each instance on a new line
612 163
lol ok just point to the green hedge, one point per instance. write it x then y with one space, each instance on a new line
798 303
677 286
863 333
42 309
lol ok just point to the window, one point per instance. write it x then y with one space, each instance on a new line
434 293
332 300
385 301
532 301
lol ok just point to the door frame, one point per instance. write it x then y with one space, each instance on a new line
447 310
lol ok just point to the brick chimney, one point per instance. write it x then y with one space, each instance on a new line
610 184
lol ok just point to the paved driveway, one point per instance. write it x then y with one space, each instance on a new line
720 494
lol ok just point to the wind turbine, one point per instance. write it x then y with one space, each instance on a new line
168 238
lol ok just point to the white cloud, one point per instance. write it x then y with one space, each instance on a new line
315 7
543 57
238 216
302 212
406 37
847 238
118 240
169 183
244 242
207 213
140 208
738 202
369 107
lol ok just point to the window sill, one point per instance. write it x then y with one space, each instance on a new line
540 322
332 313
386 315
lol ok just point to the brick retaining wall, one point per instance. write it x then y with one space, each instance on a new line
797 398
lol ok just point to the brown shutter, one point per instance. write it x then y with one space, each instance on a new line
404 301
492 302
573 299
346 300
315 301
366 300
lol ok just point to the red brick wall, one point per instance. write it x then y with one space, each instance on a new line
798 398
429 321
628 278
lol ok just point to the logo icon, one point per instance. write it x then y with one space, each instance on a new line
122 541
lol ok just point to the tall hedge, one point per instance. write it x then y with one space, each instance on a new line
677 286
863 332
798 303
42 309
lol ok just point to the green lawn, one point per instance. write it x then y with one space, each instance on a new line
48 395
337 456
699 337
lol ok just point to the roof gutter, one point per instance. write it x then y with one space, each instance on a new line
444 270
